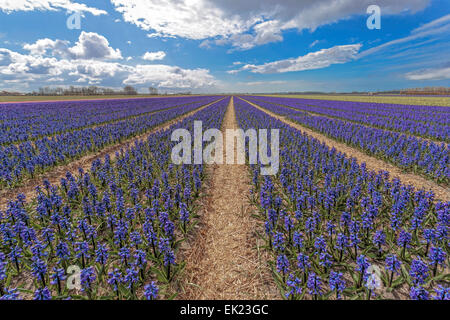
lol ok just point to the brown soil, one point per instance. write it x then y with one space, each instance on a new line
225 260
54 176
372 163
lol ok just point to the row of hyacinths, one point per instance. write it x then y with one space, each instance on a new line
65 132
339 231
423 121
120 223
410 153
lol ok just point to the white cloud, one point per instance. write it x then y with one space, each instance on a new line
37 69
55 61
152 56
315 42
313 60
42 46
185 18
433 24
170 77
55 79
97 69
5 57
206 44
261 83
91 45
14 65
245 24
435 28
159 35
429 74
9 6
264 32
234 71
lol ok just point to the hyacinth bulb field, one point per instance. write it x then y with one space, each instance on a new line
55 133
94 206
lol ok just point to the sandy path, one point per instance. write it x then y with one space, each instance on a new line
58 172
372 163
225 260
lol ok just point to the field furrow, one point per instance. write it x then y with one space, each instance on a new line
225 261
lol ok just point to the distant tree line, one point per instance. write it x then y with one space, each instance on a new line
427 90
411 91
10 93
87 91
82 91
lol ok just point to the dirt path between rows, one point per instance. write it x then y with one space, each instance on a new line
54 176
225 260
441 193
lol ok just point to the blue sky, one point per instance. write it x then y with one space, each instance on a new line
225 46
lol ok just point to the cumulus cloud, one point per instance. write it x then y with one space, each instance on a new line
170 76
152 56
90 45
87 62
5 57
263 33
245 24
9 6
429 74
14 65
43 46
313 60
30 68
99 69
184 18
